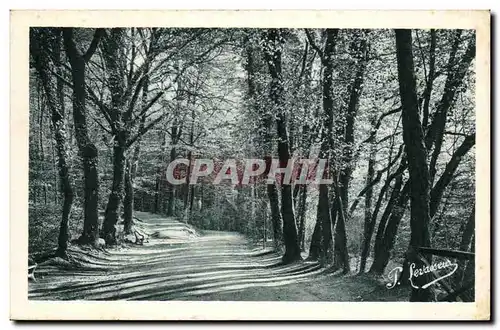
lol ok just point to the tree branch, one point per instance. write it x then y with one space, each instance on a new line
102 107
450 169
98 34
374 181
314 46
145 130
379 123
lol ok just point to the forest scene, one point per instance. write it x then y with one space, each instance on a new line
118 114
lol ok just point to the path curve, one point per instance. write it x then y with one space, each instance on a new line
176 264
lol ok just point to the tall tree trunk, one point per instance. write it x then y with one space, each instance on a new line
253 67
188 200
359 46
173 154
112 213
272 194
41 149
55 101
323 215
392 216
435 132
322 235
128 201
430 79
276 94
55 189
302 215
131 171
87 149
264 225
467 234
157 206
413 138
115 64
315 246
341 254
188 190
369 224
132 162
471 267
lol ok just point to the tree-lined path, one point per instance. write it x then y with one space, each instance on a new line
176 263
391 114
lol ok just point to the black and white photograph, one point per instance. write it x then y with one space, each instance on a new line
254 164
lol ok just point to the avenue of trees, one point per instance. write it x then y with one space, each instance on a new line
392 111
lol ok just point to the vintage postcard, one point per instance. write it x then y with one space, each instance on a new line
250 165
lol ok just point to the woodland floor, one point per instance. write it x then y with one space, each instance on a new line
179 263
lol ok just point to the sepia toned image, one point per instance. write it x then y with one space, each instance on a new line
209 170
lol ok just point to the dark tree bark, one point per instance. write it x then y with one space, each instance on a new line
369 225
376 180
272 193
87 149
449 171
272 53
315 246
115 64
392 216
175 134
309 133
467 233
113 208
469 272
40 145
388 226
430 79
130 174
302 215
159 205
359 46
128 201
413 138
355 89
341 254
453 82
189 197
324 216
132 162
322 236
393 213
39 49
254 67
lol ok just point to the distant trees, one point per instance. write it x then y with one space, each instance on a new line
413 137
272 53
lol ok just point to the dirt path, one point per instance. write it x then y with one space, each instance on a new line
180 264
